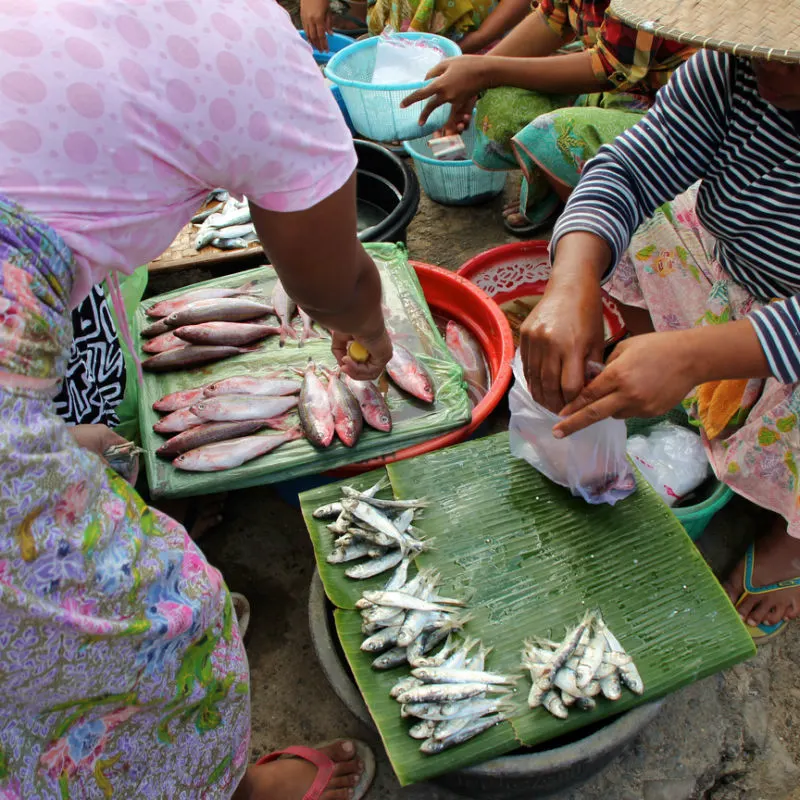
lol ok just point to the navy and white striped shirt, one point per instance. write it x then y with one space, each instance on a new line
710 123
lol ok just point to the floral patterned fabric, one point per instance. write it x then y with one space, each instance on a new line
669 269
122 673
451 18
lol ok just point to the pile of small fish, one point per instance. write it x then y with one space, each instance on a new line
589 662
206 325
369 527
224 222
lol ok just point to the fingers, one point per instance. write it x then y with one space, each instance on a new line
608 406
550 381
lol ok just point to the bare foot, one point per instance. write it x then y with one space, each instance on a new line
207 513
291 778
777 558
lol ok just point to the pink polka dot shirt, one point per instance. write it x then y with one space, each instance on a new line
118 116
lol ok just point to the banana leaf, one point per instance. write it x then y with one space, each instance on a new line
411 323
530 559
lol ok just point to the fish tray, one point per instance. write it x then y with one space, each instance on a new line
529 559
409 318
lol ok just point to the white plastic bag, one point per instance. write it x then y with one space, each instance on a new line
590 463
403 60
671 458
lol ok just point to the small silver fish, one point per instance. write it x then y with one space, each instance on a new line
433 746
610 687
401 600
449 692
391 659
378 642
402 686
370 569
342 555
553 703
327 511
445 675
422 730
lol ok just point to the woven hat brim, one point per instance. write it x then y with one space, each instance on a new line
767 30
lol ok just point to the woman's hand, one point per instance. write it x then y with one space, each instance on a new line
98 439
454 80
645 376
317 22
562 333
378 347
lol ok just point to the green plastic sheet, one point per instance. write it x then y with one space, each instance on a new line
530 559
411 323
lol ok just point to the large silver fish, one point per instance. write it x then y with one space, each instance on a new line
409 374
284 310
167 307
231 228
372 403
308 331
155 329
468 353
347 420
177 421
237 334
218 309
189 356
208 433
162 343
227 455
234 407
316 415
253 384
176 400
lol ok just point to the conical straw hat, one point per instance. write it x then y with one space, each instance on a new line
768 29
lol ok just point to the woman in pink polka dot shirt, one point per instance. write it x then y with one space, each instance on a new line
123 673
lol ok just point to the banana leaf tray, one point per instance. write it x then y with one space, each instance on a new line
530 559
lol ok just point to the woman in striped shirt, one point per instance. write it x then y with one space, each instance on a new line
691 219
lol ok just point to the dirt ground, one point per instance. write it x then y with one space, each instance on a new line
735 736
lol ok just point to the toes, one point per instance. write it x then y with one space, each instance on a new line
343 781
337 794
791 613
344 755
733 592
747 605
775 615
758 613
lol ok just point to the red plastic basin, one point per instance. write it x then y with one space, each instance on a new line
522 269
452 296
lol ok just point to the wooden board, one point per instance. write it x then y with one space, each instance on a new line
182 255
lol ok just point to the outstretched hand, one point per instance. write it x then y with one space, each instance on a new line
98 439
317 22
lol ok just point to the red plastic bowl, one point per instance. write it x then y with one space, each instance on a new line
458 299
522 269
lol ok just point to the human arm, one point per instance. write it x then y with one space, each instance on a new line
98 439
317 22
506 16
325 269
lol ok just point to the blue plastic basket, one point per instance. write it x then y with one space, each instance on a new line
336 42
454 183
374 108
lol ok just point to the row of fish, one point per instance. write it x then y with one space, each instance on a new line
224 223
206 325
449 691
588 663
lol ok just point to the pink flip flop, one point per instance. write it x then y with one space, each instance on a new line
325 766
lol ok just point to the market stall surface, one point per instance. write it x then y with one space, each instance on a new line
729 737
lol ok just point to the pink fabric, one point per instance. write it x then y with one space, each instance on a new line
118 116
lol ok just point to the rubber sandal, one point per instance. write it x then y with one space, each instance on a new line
546 213
325 766
762 633
241 606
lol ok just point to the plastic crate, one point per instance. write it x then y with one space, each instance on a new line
374 108
454 183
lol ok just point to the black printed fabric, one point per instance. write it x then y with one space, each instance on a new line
95 381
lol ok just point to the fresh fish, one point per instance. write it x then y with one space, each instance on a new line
308 328
247 384
327 511
591 659
373 404
178 421
416 651
376 537
162 343
316 415
231 333
233 407
585 703
468 353
564 650
568 700
448 692
176 400
450 727
231 216
555 705
207 433
399 577
203 215
155 329
189 356
433 746
235 226
218 309
409 374
393 658
218 194
475 707
445 675
627 669
478 661
378 642
234 453
412 628
167 307
370 569
347 419
369 626
422 730
610 687
353 552
405 519
566 680
401 600
238 243
284 309
403 685
380 502
367 513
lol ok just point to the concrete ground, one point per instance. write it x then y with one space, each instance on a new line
734 736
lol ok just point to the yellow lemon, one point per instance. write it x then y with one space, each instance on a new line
357 352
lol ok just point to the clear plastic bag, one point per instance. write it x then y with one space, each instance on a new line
672 460
591 463
399 60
